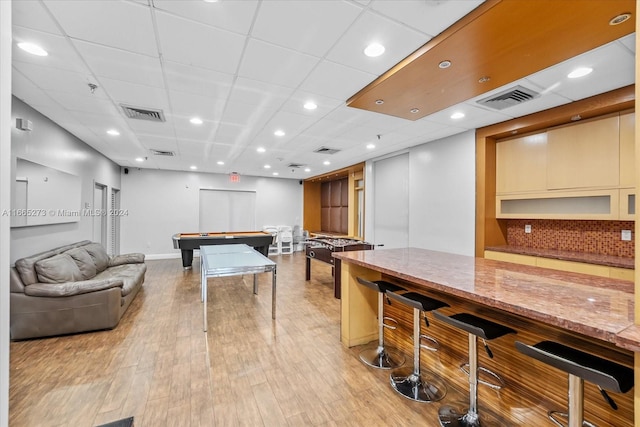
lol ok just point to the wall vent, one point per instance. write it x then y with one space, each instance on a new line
326 150
509 98
162 153
143 113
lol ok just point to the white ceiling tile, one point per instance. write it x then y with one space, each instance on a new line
197 81
32 14
158 142
429 16
118 64
295 104
199 45
86 103
136 95
56 80
187 106
399 41
202 133
310 27
475 117
629 42
61 54
607 74
235 16
336 81
277 65
120 24
25 90
258 94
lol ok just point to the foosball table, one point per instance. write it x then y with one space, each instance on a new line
321 248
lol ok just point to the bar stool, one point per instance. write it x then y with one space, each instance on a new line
410 381
580 366
476 327
382 357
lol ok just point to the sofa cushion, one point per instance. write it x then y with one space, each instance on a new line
131 275
53 290
133 258
58 269
84 261
99 255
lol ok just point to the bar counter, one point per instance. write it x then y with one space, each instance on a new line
593 314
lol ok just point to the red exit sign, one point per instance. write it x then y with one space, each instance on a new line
234 177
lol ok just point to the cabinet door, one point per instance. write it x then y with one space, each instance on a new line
584 155
521 164
627 150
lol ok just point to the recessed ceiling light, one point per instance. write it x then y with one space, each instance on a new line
279 132
33 49
379 101
444 64
267 166
193 167
220 162
196 120
620 19
414 110
211 1
374 49
326 163
307 170
260 149
310 105
113 132
276 174
457 115
579 72
484 79
139 159
371 146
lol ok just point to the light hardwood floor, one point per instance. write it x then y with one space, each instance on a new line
247 370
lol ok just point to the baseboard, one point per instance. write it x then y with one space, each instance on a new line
152 257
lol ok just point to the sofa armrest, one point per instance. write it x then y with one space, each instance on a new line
71 288
134 258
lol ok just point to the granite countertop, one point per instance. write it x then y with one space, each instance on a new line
589 258
594 306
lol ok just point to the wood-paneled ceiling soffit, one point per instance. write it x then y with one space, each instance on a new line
500 41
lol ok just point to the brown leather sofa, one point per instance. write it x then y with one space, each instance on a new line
72 288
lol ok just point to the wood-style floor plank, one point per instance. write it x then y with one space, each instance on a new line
247 370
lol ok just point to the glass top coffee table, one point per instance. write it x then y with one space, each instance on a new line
234 260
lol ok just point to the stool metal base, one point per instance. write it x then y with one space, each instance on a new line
419 388
488 373
554 415
460 416
382 357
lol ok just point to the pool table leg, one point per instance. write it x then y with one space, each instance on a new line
187 258
308 269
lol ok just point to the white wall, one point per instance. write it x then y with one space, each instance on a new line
5 202
52 146
162 203
441 195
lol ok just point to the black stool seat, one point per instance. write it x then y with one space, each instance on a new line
602 372
475 325
380 285
419 301
580 366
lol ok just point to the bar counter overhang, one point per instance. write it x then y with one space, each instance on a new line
588 312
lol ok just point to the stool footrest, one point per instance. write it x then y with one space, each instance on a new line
496 386
553 416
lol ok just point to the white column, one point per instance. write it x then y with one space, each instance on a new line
5 202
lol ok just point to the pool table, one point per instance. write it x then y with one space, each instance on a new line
187 242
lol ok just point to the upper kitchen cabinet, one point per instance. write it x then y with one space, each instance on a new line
627 150
584 155
521 164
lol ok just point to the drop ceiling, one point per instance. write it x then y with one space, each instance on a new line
246 68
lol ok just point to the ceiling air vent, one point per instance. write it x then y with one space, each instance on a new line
162 153
295 165
509 98
326 150
143 113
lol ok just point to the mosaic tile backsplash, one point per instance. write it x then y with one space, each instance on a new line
598 237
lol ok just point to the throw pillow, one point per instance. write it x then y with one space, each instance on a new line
84 261
59 268
99 255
